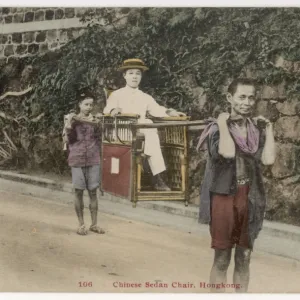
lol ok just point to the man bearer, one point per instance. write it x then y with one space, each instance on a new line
232 194
130 99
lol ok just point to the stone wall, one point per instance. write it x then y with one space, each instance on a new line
33 42
29 14
282 180
28 31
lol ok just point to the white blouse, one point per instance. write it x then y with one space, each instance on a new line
134 101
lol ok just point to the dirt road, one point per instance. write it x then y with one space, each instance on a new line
40 252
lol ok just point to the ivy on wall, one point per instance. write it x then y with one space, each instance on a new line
209 45
184 48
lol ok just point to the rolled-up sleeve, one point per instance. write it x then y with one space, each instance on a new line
112 102
71 135
154 109
213 146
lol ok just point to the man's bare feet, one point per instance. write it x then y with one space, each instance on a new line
81 230
97 229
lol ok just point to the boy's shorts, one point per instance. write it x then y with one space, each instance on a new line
229 219
86 178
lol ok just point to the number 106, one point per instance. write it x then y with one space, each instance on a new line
85 284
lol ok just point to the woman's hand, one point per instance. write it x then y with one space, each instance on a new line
116 111
175 113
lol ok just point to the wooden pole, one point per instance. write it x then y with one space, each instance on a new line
170 123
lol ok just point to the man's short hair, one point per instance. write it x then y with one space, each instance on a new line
240 81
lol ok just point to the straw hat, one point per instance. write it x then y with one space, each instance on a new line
133 63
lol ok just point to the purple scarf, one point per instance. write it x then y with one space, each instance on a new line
248 145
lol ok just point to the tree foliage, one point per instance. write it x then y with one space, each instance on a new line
209 45
185 48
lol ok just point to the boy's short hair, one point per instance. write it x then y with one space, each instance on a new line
82 95
240 81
